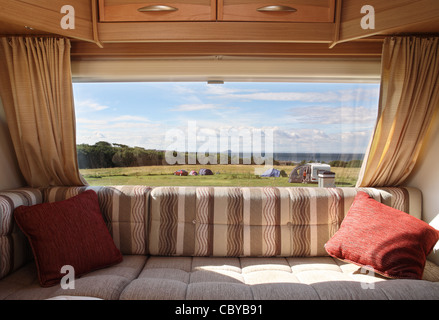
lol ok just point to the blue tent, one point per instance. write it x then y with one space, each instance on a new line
271 173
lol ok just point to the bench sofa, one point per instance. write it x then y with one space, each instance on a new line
234 243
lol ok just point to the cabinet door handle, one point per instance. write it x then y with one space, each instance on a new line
276 9
157 8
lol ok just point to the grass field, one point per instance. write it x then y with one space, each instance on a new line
224 175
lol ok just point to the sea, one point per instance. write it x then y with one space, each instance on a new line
317 157
298 157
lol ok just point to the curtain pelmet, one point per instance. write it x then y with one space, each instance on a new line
36 90
409 95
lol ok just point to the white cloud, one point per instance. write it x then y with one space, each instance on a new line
91 137
320 141
124 129
222 90
99 135
129 118
89 105
194 107
124 120
91 121
124 133
201 106
325 115
290 96
309 97
359 94
179 89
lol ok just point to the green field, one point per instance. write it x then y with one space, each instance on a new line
224 175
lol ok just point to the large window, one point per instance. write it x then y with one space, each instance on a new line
146 132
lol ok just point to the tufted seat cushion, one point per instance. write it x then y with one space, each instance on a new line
313 278
139 277
105 283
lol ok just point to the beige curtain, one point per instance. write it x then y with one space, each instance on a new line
36 90
409 96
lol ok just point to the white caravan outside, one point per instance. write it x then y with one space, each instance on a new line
316 168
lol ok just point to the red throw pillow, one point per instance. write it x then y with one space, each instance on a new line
373 235
69 232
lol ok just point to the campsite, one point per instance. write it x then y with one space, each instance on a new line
223 175
116 164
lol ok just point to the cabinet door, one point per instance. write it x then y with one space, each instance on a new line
45 16
277 10
147 10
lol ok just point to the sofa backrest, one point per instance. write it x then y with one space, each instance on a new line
256 221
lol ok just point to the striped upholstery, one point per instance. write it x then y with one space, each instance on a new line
14 249
205 221
125 211
261 221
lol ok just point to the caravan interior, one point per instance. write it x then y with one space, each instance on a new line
62 238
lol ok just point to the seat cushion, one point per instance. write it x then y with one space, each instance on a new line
311 278
186 278
105 283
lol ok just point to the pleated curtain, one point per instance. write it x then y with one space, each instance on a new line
37 95
409 97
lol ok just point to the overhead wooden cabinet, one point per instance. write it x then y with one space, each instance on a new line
277 10
45 16
144 10
216 20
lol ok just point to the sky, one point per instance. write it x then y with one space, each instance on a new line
244 116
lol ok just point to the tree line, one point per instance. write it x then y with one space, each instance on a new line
106 155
